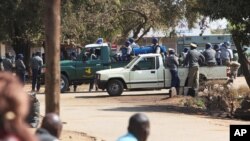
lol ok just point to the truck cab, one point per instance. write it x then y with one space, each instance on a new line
93 57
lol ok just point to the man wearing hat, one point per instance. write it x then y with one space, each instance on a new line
156 46
20 67
7 64
183 55
99 41
36 66
172 63
226 54
192 59
126 51
209 55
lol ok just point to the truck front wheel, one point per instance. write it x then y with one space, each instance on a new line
115 87
64 83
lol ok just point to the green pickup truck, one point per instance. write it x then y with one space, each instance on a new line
93 57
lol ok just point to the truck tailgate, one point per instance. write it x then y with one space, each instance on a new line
214 72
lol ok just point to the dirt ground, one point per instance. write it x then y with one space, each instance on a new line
96 116
75 136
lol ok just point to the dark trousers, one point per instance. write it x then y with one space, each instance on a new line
175 81
21 75
91 85
218 60
36 79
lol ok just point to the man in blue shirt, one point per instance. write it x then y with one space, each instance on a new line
138 129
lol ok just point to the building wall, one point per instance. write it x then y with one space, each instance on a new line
2 50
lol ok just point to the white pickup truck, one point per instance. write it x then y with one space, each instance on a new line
147 71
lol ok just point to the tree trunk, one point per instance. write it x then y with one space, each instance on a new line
52 54
238 38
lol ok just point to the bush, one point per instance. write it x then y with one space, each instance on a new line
218 95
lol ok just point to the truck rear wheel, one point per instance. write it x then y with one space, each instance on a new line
115 87
64 83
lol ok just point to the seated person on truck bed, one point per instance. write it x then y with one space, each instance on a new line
125 52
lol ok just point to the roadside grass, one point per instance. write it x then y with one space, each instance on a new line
220 97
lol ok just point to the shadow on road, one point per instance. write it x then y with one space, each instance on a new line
122 96
172 109
160 108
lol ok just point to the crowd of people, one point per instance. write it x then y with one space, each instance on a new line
127 51
20 69
23 112
193 58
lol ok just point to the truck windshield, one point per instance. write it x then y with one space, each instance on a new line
132 62
92 54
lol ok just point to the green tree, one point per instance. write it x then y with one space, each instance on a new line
237 13
142 15
21 24
83 21
86 20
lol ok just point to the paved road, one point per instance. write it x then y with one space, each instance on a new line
107 117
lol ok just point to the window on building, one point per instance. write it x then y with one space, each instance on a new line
220 38
188 38
205 38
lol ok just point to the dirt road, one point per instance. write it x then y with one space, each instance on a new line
106 118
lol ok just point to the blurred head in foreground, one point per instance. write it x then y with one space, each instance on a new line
139 126
14 105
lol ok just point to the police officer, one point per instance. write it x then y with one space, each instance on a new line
7 64
183 55
172 63
209 55
226 54
99 41
192 60
20 68
36 66
156 46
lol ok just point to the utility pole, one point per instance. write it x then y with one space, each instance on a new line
52 55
